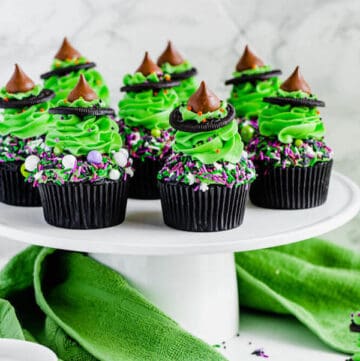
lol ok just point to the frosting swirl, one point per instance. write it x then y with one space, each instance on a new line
223 144
148 109
288 122
62 85
79 136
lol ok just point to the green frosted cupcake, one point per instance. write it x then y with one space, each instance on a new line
144 112
67 66
83 177
24 123
172 63
204 184
292 159
253 80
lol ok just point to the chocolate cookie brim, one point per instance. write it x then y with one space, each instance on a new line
192 126
137 88
67 70
253 77
184 75
82 112
303 102
44 96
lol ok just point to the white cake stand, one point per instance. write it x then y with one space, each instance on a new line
190 276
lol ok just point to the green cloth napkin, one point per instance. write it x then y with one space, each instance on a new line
85 311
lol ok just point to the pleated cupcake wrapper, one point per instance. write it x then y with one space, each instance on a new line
218 209
14 190
291 188
84 205
143 184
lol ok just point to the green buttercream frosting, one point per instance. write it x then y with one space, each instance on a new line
187 86
190 115
63 85
291 122
79 136
18 96
223 144
247 98
140 78
80 103
27 122
148 109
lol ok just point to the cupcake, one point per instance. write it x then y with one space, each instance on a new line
144 115
172 63
204 184
82 178
253 80
65 71
24 121
292 159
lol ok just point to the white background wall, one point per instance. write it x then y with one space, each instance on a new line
322 36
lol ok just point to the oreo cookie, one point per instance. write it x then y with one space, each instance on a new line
253 77
44 96
67 70
82 112
184 75
192 126
137 88
303 102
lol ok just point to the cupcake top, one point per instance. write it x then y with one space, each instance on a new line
85 144
291 130
149 97
252 81
68 64
292 113
208 148
24 119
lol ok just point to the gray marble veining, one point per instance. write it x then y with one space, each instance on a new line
322 36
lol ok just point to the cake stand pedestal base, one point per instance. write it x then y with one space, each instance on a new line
197 291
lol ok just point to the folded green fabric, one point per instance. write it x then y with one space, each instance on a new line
85 311
314 280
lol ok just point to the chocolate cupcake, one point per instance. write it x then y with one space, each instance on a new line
204 184
253 80
293 162
172 63
24 123
144 117
83 177
66 68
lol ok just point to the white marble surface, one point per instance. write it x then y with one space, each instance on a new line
322 36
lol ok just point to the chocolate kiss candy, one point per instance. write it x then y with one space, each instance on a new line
204 100
148 67
248 60
82 90
171 56
19 82
67 51
296 82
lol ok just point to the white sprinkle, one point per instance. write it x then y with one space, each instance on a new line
114 174
125 152
191 178
129 171
231 166
38 175
217 165
69 161
120 159
31 162
204 187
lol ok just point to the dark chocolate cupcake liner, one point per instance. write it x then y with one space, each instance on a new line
84 205
144 183
291 188
218 209
13 188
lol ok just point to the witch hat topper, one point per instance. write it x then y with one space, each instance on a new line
204 100
67 51
248 60
19 82
170 55
82 90
296 82
148 67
